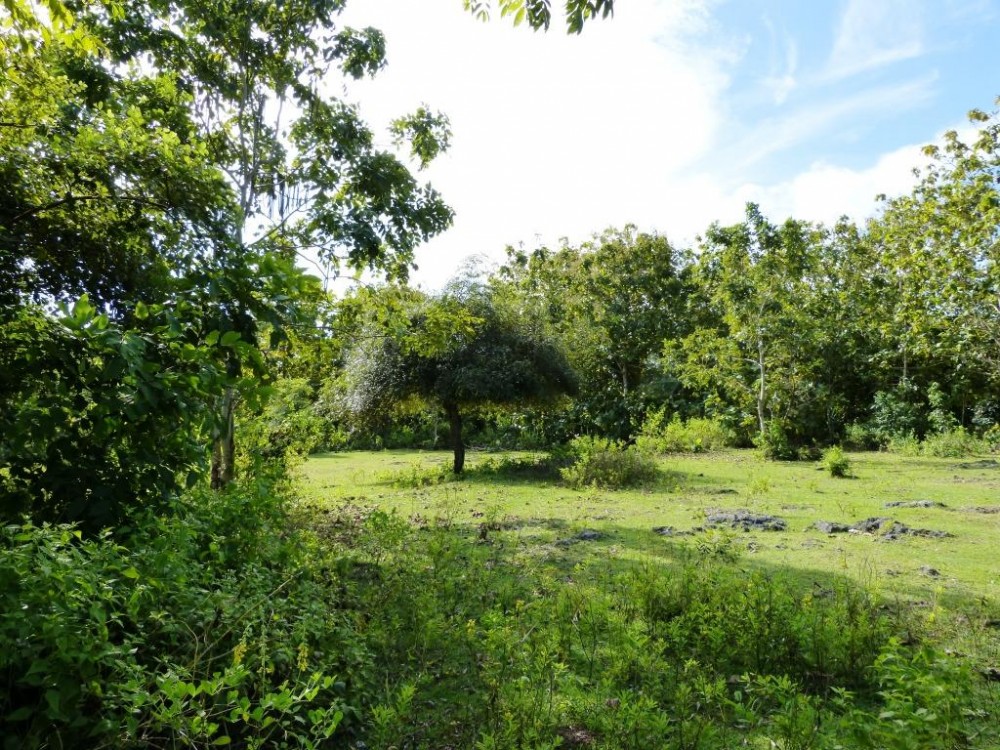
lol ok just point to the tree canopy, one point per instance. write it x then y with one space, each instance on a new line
491 357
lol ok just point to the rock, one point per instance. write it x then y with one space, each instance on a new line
743 519
831 527
665 531
587 535
890 530
915 504
986 509
574 737
930 533
723 491
992 674
870 525
927 570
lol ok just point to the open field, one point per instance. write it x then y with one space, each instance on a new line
539 512
531 594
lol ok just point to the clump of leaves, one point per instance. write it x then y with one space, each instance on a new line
695 435
216 624
836 462
599 462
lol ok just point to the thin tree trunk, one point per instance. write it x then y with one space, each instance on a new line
224 446
762 392
224 436
457 445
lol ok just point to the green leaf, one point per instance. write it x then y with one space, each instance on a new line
131 572
229 338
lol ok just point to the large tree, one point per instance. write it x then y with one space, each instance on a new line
611 302
172 167
459 353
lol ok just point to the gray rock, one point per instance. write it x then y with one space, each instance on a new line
927 570
870 525
743 519
915 504
889 530
831 527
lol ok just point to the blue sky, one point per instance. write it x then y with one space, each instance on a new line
677 112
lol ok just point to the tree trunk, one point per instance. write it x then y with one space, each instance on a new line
455 426
224 445
762 392
224 435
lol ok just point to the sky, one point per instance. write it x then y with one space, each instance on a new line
675 113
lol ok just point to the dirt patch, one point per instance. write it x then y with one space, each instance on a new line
986 463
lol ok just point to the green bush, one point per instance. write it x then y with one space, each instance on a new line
836 462
861 437
956 443
775 445
696 435
904 444
605 463
288 426
213 625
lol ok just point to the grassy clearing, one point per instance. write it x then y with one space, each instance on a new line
540 511
545 611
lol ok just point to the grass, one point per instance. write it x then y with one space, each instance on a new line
516 568
801 493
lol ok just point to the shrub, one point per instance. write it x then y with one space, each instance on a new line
836 462
693 436
861 437
216 624
775 445
605 463
955 443
904 444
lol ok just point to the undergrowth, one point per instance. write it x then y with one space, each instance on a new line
242 620
488 644
599 462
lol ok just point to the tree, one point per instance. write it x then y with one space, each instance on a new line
188 154
486 357
611 302
942 245
761 355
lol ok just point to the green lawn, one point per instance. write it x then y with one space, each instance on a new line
506 584
541 512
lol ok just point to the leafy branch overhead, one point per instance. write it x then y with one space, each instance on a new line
538 13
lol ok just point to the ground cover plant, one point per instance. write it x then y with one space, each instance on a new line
509 610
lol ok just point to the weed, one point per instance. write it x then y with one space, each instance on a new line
836 462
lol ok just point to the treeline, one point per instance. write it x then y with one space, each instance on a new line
788 336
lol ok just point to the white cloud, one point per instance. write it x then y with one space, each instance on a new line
874 34
551 133
781 80
815 119
633 121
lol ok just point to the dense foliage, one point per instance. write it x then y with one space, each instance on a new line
164 169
